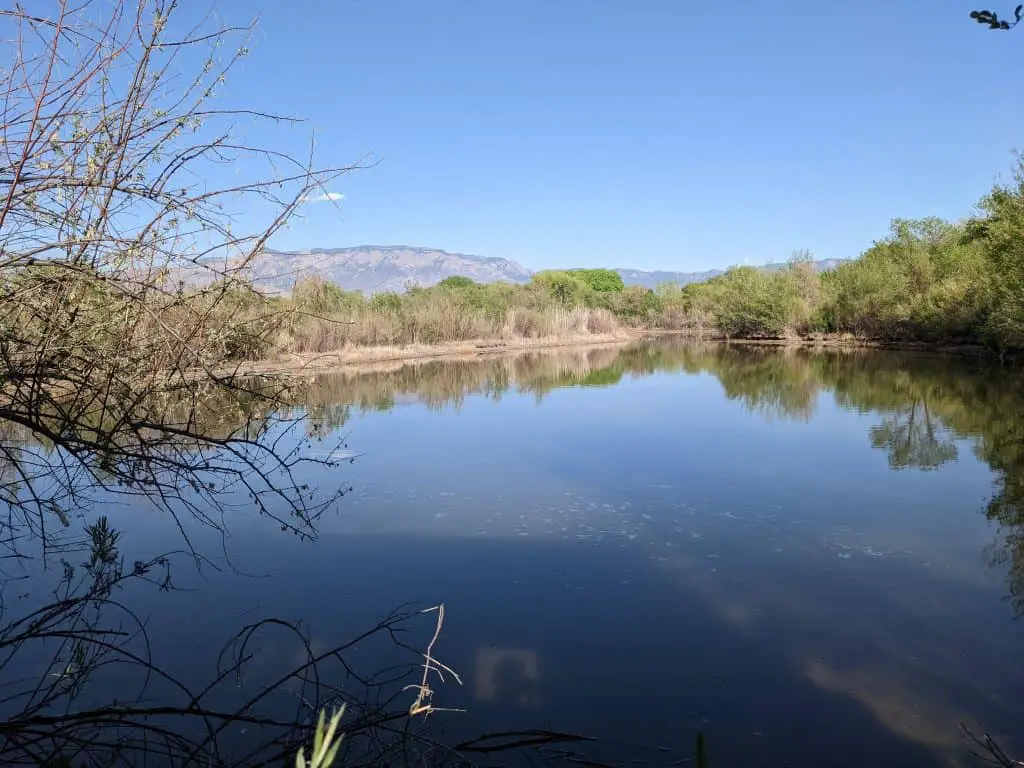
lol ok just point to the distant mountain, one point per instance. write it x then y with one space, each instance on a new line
375 268
378 268
653 279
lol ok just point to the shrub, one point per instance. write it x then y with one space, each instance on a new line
457 283
748 302
565 288
320 297
600 280
636 303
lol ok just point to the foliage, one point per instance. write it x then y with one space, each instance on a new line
115 382
457 282
108 195
928 281
1002 290
750 302
321 297
567 288
600 280
636 304
326 741
992 20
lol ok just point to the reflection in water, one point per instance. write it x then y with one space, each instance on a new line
508 675
919 412
914 438
675 563
895 706
922 404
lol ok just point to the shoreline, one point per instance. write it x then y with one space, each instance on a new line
941 349
354 357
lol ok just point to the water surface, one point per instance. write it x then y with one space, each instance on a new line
814 558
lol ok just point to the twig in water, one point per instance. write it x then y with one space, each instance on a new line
422 703
995 754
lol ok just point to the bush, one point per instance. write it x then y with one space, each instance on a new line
748 302
457 283
320 297
565 288
600 280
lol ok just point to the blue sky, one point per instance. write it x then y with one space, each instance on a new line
651 134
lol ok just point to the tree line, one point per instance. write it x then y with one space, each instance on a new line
927 281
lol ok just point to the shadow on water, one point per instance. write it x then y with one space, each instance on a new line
783 549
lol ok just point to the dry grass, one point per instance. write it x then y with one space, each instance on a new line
434 322
527 323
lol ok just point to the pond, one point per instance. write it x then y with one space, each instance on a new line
813 558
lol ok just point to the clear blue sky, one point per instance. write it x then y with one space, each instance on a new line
653 134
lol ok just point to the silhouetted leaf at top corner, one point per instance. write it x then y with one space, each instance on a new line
992 20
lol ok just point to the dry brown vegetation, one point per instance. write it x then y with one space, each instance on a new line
113 145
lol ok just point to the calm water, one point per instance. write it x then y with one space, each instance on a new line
815 559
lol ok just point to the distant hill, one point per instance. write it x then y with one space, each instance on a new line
374 268
652 279
378 268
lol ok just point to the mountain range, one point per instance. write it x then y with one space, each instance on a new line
376 268
652 279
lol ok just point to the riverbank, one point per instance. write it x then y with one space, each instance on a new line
355 356
352 356
848 341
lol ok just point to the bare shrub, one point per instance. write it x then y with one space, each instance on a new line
602 321
524 323
112 375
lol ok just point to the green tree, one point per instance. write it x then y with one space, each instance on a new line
322 297
564 287
747 301
637 302
1003 251
457 283
600 280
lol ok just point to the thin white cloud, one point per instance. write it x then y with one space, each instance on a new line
326 197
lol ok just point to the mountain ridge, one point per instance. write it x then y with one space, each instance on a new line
379 268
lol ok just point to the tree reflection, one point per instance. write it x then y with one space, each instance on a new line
914 438
924 405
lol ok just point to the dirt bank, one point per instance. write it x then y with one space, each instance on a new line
467 350
355 356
